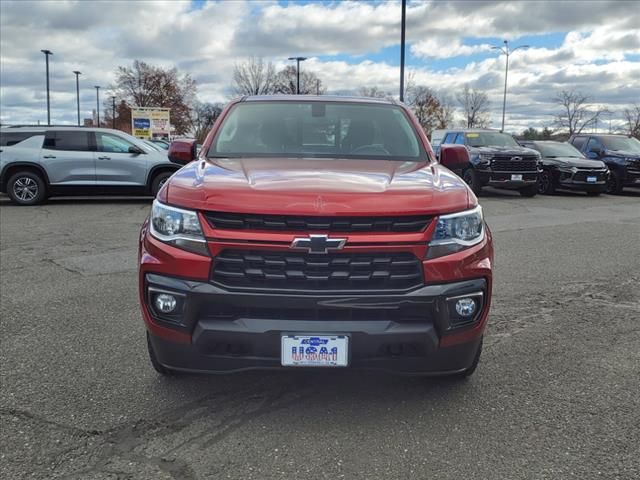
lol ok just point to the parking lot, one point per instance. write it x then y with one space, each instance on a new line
555 396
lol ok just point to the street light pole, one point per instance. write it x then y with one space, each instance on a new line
77 73
402 34
46 56
97 87
507 53
298 60
113 112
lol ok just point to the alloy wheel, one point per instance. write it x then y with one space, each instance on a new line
25 188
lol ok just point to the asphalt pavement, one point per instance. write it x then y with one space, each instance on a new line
556 395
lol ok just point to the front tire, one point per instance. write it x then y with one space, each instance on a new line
614 184
545 184
26 188
529 191
158 181
470 177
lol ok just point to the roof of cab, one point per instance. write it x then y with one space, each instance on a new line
317 98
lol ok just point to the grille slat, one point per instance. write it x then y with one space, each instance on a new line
269 270
506 164
290 223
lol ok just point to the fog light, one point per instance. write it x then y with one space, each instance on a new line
466 307
165 303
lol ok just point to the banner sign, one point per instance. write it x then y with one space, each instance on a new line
149 121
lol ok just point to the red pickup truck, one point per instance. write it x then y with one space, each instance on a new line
315 232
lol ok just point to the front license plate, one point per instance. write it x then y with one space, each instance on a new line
516 178
592 179
314 350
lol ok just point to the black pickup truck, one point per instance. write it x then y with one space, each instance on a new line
496 160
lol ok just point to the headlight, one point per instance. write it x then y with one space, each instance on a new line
456 232
485 158
177 227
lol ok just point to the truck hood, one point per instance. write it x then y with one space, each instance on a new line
306 186
504 150
622 154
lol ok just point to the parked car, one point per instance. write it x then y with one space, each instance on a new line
619 152
315 231
40 162
163 144
496 160
564 167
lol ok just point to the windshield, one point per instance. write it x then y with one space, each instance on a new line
490 139
558 150
623 144
317 129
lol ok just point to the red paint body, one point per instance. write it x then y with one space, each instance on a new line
324 188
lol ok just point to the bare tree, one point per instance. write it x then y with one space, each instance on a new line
575 113
374 92
204 115
632 117
425 105
286 81
145 85
444 114
475 107
254 77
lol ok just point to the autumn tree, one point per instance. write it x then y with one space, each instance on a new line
475 107
204 115
576 112
145 85
373 92
632 119
254 77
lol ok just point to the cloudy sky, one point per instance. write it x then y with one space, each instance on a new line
590 46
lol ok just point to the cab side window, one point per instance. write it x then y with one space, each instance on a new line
449 137
112 143
594 145
460 139
70 141
579 142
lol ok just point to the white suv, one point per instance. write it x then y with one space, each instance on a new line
39 162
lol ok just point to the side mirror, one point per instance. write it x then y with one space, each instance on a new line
595 153
135 150
454 157
182 151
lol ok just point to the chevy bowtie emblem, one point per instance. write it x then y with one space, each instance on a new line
318 243
516 159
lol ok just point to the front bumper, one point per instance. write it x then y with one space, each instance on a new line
504 179
233 331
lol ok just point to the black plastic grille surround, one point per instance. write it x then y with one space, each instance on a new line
581 175
284 270
506 164
293 223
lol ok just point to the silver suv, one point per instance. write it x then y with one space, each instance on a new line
39 162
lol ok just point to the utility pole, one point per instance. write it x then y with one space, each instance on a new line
46 56
97 87
113 112
298 60
77 73
507 52
402 35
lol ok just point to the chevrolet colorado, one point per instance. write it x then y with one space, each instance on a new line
315 232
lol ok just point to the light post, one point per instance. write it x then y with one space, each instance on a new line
97 87
77 73
507 52
46 56
402 32
298 60
113 112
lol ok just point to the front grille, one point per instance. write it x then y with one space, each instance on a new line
273 270
291 223
634 167
506 164
581 175
401 314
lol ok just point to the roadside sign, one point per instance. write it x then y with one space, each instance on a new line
149 121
